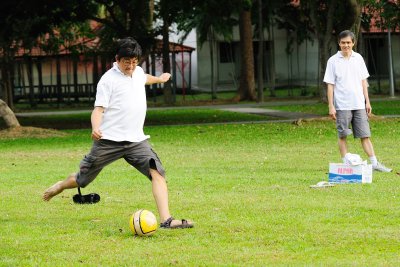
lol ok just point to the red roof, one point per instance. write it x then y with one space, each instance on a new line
93 43
63 50
173 47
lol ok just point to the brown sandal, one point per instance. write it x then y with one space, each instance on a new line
184 224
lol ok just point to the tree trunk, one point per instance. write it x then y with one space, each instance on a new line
324 45
8 115
168 97
29 72
212 66
324 35
272 76
7 67
323 57
260 65
356 28
150 15
246 90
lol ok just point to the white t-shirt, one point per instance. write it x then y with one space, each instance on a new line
124 101
346 75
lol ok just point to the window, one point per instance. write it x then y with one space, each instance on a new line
226 54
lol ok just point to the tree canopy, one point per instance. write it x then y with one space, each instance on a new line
26 24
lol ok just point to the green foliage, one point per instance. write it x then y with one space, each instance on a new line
120 19
23 21
245 186
246 4
381 14
65 36
203 15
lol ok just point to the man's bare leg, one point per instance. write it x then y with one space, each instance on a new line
160 193
367 146
57 188
342 142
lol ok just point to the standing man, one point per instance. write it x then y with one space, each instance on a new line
117 130
346 78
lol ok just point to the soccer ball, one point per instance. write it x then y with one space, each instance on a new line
143 223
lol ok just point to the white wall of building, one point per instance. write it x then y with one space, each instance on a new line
301 65
191 40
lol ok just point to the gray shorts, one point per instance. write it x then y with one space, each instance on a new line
140 155
358 119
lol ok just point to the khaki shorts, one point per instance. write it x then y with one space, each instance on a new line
358 119
140 155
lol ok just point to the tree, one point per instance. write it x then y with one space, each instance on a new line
386 15
22 23
260 56
327 18
291 18
168 11
8 115
119 19
210 19
139 19
217 18
246 90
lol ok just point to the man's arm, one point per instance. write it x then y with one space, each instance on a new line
96 119
332 110
365 92
160 79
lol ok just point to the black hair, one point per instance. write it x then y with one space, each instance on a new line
128 47
345 34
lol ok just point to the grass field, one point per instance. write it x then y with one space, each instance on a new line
246 186
379 107
154 117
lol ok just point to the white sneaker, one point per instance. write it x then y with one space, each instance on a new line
381 168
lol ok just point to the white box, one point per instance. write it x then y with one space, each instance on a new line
345 173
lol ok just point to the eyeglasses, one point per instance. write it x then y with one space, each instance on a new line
129 61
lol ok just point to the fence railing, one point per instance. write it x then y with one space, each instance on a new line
55 93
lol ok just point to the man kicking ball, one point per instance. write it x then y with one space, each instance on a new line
117 130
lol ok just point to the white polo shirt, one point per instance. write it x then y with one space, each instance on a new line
346 76
124 101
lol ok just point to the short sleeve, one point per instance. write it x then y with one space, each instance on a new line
143 75
103 94
329 76
364 70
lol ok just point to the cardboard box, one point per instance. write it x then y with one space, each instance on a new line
344 173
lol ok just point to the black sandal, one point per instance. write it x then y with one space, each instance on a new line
91 198
167 224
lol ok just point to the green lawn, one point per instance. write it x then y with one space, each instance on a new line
379 107
246 186
154 117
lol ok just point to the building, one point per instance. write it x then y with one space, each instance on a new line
71 77
300 68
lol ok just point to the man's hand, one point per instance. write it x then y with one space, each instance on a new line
332 112
96 118
368 108
160 79
96 134
164 77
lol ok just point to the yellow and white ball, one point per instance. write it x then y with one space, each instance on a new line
143 223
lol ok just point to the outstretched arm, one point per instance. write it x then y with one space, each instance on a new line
160 79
